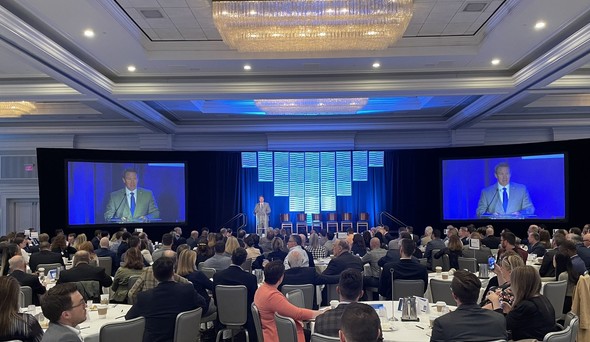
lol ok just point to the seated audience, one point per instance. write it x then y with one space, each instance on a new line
569 248
547 269
508 243
427 236
167 240
294 244
59 245
13 324
87 246
564 270
104 251
501 284
360 323
435 243
65 308
358 246
536 247
145 252
82 271
277 253
314 247
372 258
406 268
186 268
231 244
44 256
132 266
220 261
18 271
469 322
253 252
342 260
329 244
270 300
531 316
350 289
454 250
162 304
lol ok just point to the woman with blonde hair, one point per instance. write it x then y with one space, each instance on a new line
15 325
88 247
503 270
427 237
80 239
186 268
231 245
315 248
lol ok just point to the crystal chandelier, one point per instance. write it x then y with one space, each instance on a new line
311 25
16 108
311 106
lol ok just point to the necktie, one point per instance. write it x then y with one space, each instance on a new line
132 203
504 199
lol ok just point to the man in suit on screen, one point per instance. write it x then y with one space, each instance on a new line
131 204
505 198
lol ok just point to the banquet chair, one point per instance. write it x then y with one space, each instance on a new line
316 222
26 296
363 221
232 308
469 264
48 267
308 293
440 290
247 265
130 283
128 331
555 291
257 322
346 222
315 337
107 264
286 328
332 222
295 297
301 223
402 288
331 292
89 289
286 223
564 335
188 326
208 271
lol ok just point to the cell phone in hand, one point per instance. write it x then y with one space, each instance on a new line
491 263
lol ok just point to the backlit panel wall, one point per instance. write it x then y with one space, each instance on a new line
296 181
328 181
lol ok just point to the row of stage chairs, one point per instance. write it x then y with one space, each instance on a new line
332 223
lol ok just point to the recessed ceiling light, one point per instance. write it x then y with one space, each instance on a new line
247 67
540 25
376 65
131 68
495 61
89 33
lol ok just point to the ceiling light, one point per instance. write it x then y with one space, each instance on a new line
495 61
131 68
16 108
88 33
304 25
540 25
247 67
329 106
376 65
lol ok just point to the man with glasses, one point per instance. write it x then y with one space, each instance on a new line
65 308
294 244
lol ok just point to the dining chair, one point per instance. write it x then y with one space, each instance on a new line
128 331
402 288
257 322
555 291
188 326
130 282
232 308
286 328
469 264
247 265
106 263
308 292
26 297
440 290
295 297
315 337
209 271
564 335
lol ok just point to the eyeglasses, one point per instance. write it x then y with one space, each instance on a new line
79 304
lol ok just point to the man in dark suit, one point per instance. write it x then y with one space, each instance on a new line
406 268
547 269
18 271
104 251
343 260
350 289
469 322
83 271
178 239
435 243
45 256
491 241
235 275
535 245
162 304
413 236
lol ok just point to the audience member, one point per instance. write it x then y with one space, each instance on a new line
82 271
193 239
104 251
536 247
13 324
178 239
45 256
18 271
427 236
547 269
186 268
59 246
132 266
277 250
316 250
358 246
501 284
231 244
360 323
508 243
294 244
65 308
569 248
435 243
87 247
162 304
564 270
220 261
253 252
372 258
124 245
454 250
343 259
406 268
166 246
491 241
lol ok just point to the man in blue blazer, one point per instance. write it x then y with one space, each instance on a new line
505 198
131 203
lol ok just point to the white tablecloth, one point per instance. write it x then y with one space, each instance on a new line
91 328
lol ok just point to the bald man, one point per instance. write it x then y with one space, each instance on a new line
104 251
18 271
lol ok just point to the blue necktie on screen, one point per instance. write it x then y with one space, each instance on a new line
504 199
132 203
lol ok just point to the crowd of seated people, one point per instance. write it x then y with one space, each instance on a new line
292 260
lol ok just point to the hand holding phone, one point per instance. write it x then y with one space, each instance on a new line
491 263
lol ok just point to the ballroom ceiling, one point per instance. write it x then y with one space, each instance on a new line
438 80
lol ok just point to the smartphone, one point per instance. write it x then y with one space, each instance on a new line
491 263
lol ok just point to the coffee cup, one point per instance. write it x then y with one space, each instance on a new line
102 310
334 304
432 318
104 299
445 275
440 306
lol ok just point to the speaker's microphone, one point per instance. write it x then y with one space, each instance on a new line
492 201
119 206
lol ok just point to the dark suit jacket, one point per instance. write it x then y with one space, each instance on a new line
469 323
161 305
85 272
44 257
584 254
409 269
547 269
105 252
490 241
234 275
31 280
177 242
342 262
537 249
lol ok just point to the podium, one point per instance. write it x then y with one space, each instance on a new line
507 216
133 220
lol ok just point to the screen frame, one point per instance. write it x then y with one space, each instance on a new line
124 161
444 158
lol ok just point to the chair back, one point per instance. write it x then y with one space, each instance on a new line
315 337
423 262
247 265
130 282
209 271
446 263
402 288
89 289
295 297
332 293
332 217
555 291
188 326
285 217
316 217
574 324
469 264
128 331
441 291
232 304
363 216
106 263
26 297
48 267
564 335
308 293
301 217
286 328
346 216
257 322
